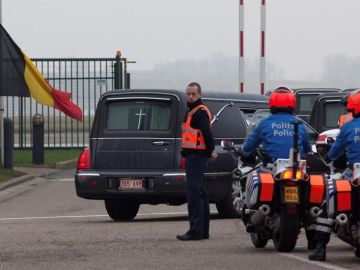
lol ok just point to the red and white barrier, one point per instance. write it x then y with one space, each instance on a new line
241 60
262 47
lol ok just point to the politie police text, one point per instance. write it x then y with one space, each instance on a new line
282 129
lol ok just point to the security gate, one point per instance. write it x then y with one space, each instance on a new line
86 79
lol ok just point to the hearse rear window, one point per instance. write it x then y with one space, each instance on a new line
139 115
306 103
332 113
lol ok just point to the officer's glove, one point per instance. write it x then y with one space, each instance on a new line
248 159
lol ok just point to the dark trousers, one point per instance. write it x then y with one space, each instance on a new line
197 197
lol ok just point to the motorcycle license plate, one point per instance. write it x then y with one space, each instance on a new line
291 194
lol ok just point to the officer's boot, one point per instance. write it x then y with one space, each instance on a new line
323 227
320 252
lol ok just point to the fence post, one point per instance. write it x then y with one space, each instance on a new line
128 86
118 71
8 143
38 139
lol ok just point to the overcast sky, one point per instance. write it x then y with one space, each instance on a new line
300 33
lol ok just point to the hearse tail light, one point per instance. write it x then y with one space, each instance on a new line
84 159
183 163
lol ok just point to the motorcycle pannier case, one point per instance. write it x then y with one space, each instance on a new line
339 196
315 191
260 189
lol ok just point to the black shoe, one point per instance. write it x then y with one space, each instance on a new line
206 236
319 254
187 237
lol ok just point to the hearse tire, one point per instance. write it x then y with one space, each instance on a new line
121 210
226 208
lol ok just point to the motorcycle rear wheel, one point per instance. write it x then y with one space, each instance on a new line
285 236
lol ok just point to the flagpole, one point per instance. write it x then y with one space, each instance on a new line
1 105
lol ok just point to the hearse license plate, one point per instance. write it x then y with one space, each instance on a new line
291 194
131 183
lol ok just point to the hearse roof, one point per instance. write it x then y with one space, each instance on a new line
221 94
316 90
329 94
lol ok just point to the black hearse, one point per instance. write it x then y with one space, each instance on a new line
134 154
305 98
326 111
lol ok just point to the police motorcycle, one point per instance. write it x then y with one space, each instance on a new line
277 199
342 195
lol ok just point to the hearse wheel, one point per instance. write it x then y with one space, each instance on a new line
231 205
121 210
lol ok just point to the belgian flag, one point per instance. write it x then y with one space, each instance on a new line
20 77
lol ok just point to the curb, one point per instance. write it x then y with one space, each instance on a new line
16 181
68 164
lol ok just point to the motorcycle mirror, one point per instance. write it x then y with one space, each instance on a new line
330 140
227 145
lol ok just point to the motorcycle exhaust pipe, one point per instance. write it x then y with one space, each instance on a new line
355 182
341 219
314 211
259 216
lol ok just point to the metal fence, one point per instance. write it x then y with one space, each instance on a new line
86 79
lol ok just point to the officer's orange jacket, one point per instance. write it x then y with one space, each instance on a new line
193 138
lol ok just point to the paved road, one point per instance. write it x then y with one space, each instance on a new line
44 225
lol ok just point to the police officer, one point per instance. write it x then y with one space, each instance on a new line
197 146
347 141
276 132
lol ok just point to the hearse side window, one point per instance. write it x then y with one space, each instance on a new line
306 103
230 124
138 115
332 112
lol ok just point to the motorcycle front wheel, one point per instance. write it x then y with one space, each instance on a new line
286 229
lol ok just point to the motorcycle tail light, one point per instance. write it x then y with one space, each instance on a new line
288 175
299 175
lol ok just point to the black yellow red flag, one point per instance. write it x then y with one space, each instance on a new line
20 77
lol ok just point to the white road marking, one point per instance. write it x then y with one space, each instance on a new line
305 260
63 180
96 216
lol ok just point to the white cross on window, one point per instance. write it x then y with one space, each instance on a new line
140 114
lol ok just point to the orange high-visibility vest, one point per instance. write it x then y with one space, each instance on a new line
345 118
193 138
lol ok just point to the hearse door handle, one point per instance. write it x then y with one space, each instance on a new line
160 143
